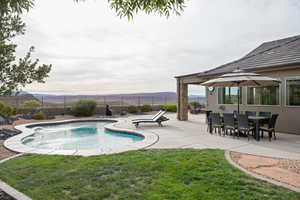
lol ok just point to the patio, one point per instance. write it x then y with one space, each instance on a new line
193 134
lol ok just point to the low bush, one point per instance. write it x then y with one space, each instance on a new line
39 116
194 103
146 108
84 108
6 110
14 110
31 104
132 109
170 107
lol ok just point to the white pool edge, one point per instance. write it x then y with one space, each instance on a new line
15 143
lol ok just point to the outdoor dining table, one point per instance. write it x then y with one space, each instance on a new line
256 120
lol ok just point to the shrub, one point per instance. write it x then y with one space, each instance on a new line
39 116
31 104
170 107
14 110
132 109
194 103
6 110
146 108
84 108
2 105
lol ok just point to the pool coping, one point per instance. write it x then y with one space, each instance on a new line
15 143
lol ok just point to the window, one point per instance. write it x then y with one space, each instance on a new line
293 91
263 95
229 95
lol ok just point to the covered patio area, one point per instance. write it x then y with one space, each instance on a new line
182 93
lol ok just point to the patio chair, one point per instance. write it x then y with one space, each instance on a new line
216 122
250 113
244 126
208 120
235 113
158 118
270 127
265 114
229 123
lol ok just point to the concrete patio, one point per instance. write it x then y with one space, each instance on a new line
193 134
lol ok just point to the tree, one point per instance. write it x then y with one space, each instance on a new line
127 8
14 73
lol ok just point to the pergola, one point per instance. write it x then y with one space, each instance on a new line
182 92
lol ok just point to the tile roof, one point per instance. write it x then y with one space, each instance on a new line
281 53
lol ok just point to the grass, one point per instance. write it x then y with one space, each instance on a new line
145 175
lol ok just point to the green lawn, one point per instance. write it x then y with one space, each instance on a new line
163 174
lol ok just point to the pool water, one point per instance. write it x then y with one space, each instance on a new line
78 135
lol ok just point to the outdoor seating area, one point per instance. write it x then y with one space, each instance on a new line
248 124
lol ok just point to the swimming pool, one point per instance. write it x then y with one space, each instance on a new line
78 137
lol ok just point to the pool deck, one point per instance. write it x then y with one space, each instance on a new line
179 134
193 134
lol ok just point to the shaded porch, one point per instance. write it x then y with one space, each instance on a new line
182 93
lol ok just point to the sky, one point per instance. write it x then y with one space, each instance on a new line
95 52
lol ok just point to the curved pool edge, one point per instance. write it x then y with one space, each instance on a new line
15 143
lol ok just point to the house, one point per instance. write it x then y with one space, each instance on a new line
278 59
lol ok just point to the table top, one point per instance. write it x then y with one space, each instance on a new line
258 117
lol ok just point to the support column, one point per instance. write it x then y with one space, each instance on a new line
182 100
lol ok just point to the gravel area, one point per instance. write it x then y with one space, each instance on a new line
282 170
4 196
5 153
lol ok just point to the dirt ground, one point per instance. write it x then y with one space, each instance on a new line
282 170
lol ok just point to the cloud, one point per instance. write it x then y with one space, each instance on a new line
93 51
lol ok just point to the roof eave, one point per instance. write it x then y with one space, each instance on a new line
269 68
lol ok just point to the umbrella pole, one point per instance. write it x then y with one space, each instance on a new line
238 98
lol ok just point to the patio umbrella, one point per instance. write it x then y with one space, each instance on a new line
239 78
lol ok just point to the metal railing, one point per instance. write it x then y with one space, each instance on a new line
112 100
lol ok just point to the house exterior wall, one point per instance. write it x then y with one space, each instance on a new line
289 116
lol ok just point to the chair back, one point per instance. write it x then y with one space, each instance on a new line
250 113
243 121
228 119
157 114
208 116
265 114
215 118
235 113
272 121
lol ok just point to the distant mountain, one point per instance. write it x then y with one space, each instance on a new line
171 94
119 99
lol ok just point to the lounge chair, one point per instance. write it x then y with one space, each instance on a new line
158 118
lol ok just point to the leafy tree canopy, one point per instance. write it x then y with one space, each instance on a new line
14 73
15 6
127 8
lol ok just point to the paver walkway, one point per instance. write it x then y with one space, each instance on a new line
283 170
